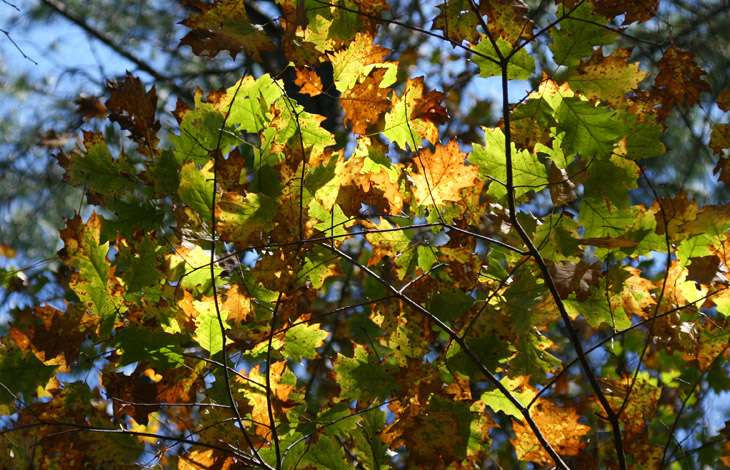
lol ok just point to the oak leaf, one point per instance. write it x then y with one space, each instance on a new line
224 25
365 102
134 110
442 174
309 82
560 427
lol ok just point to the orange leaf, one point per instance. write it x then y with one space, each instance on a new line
210 459
309 82
366 102
560 427
442 174
678 82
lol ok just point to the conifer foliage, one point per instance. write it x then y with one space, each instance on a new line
254 290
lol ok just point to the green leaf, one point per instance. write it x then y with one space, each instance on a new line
576 36
162 173
491 351
208 333
558 238
533 359
190 267
426 257
406 128
141 264
297 128
600 218
333 222
200 132
370 450
161 349
225 26
457 20
597 311
521 65
94 167
375 162
318 267
326 454
245 218
497 401
303 340
643 138
22 372
364 377
196 189
450 305
611 180
93 284
339 420
528 173
357 61
589 130
527 302
133 213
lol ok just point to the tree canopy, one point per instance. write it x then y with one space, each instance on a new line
331 262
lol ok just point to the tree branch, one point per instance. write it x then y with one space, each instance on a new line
59 7
467 350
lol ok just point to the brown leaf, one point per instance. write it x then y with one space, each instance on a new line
578 277
641 406
723 100
134 110
671 214
710 343
428 105
561 188
432 435
707 270
678 82
134 395
52 139
720 138
90 107
631 9
58 338
366 102
6 251
238 305
223 26
722 170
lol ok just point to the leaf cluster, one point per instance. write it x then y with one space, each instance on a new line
255 290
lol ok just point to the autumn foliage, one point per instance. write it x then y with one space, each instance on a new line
254 290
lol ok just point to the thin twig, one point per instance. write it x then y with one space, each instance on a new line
269 404
467 350
613 418
64 11
7 34
216 155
